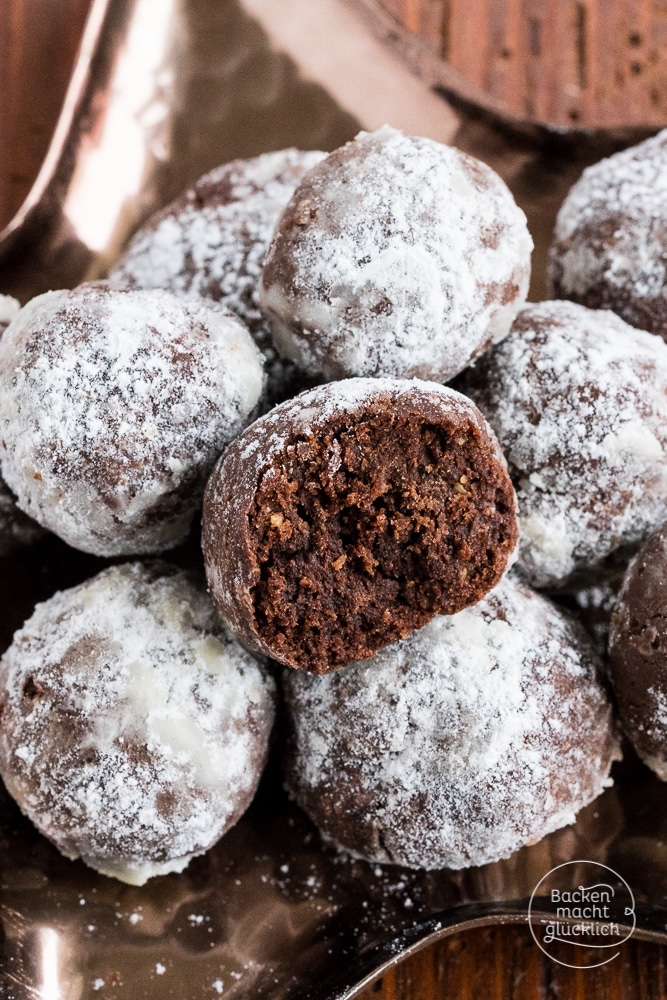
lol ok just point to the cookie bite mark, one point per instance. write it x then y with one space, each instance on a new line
352 515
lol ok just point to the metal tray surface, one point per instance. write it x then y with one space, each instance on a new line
164 90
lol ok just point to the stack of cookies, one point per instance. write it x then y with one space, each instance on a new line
398 464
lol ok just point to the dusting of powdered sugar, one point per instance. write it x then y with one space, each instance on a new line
578 401
478 734
396 256
610 241
134 729
114 405
212 241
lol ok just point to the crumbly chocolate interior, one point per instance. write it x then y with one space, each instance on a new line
370 529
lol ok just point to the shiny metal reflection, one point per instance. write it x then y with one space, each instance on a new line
50 986
132 135
163 90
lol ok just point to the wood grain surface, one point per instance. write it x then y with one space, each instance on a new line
584 62
499 963
503 963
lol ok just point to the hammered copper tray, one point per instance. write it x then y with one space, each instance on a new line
269 912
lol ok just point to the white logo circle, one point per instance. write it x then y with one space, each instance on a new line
594 915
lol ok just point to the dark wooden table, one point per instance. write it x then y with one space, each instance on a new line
38 42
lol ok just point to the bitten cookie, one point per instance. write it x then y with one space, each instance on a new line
351 515
478 734
114 405
212 242
610 243
578 400
638 652
396 256
133 730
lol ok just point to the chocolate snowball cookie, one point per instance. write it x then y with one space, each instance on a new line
353 514
578 400
478 734
114 405
638 652
212 242
133 729
395 256
610 244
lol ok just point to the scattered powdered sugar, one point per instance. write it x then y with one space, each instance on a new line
114 405
396 256
213 239
479 733
610 240
578 400
601 597
595 605
134 729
